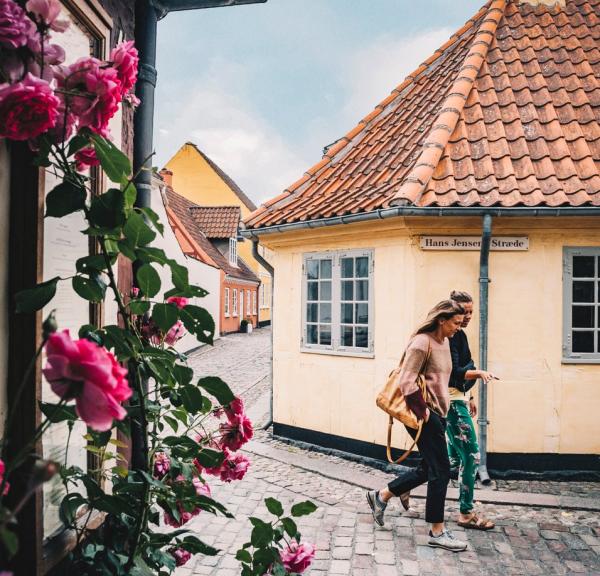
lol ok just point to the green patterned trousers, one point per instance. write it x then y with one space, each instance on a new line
463 451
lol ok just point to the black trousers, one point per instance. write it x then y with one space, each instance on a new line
434 468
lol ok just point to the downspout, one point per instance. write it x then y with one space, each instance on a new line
258 257
484 281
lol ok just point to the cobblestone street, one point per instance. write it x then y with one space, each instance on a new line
527 540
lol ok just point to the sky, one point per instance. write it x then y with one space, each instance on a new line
262 89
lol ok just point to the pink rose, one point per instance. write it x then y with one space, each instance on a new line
125 60
27 109
236 432
202 489
235 408
83 370
181 556
46 12
16 29
175 333
297 557
234 467
98 91
134 292
162 464
132 100
179 301
84 158
6 485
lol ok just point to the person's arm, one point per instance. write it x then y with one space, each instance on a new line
415 356
483 374
462 362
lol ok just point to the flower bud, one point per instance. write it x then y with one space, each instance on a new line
50 325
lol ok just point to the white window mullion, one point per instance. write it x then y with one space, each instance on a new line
335 302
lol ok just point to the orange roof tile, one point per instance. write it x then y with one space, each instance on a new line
217 221
506 113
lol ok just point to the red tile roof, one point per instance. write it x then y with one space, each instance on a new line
506 113
182 209
217 221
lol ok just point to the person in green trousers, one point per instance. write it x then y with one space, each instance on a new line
463 449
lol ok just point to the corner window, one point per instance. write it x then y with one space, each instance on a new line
233 259
254 302
226 303
581 313
234 303
338 302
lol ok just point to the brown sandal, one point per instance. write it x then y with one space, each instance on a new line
405 500
476 523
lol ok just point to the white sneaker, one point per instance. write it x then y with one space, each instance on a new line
446 541
377 507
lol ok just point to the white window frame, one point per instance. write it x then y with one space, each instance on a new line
255 303
336 347
265 296
226 303
233 255
248 304
235 302
568 356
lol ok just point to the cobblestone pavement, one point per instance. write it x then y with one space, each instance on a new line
527 540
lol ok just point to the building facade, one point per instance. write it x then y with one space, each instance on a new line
500 126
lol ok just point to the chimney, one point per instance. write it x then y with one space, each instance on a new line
167 176
549 3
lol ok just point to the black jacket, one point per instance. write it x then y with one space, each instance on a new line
461 362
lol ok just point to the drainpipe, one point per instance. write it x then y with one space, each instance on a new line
271 271
484 281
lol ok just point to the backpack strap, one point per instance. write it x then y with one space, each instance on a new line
389 443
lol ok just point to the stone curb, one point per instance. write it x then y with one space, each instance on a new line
367 481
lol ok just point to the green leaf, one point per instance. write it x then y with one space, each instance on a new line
165 315
148 280
150 254
210 458
137 231
108 210
172 423
78 142
183 374
274 506
303 508
289 526
58 413
87 264
139 307
262 535
113 161
65 199
192 398
179 275
217 388
126 249
36 298
69 506
243 556
199 322
129 194
153 217
10 541
92 288
196 546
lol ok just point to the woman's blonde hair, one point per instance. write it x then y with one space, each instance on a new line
443 310
459 296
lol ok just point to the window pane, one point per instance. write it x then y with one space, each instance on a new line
347 334
584 266
325 335
313 291
362 267
347 267
325 291
362 290
324 312
347 290
312 269
583 317
325 268
583 291
311 312
311 334
583 341
347 314
362 313
362 337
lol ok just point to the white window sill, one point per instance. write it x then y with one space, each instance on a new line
330 352
580 360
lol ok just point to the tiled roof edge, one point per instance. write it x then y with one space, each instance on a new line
253 219
418 178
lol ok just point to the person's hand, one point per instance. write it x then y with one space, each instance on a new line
427 415
487 376
472 408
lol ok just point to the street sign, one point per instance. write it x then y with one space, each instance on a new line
499 243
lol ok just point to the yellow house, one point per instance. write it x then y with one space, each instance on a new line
196 177
480 172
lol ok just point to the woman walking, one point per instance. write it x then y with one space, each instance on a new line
428 353
463 449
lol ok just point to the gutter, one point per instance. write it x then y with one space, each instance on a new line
399 211
484 280
269 268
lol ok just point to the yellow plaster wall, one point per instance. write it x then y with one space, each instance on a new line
195 179
540 405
